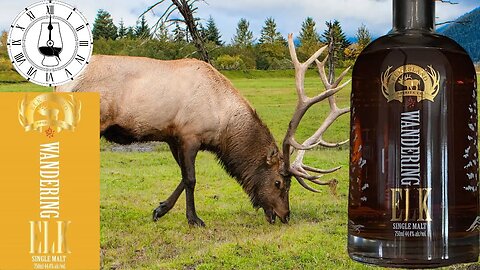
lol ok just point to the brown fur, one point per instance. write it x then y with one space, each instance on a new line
136 92
243 153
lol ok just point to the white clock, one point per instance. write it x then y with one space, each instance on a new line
50 43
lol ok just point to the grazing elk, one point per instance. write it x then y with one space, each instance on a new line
192 107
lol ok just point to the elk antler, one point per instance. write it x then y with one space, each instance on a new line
297 168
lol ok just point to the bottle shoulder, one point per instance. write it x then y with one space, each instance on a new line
414 41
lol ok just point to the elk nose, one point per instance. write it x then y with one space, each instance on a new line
287 217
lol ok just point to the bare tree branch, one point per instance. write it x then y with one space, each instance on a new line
187 9
448 1
457 22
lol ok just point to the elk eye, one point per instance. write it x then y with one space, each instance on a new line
277 184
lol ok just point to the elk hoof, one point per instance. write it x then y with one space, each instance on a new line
197 222
160 211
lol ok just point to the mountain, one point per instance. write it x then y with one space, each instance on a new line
466 33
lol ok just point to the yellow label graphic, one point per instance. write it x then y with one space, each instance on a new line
50 110
414 81
49 194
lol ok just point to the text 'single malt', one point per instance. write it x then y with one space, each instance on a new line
413 198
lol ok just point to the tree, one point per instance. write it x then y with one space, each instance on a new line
142 30
363 37
103 27
122 30
187 9
130 33
5 63
269 34
212 33
3 45
162 33
272 50
309 34
179 34
337 43
309 39
243 37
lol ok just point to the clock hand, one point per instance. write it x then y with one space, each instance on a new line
50 28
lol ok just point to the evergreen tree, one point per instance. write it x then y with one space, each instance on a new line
337 42
338 36
309 39
308 34
212 33
179 33
269 34
142 30
202 31
272 53
363 37
243 37
103 27
122 30
130 33
162 33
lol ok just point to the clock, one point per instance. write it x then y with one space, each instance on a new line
50 43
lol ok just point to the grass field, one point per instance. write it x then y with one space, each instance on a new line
236 236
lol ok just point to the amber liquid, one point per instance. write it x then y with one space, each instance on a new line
448 158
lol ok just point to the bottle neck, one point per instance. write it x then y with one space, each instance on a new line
413 15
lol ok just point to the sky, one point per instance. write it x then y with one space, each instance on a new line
289 14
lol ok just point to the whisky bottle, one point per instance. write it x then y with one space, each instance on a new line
413 195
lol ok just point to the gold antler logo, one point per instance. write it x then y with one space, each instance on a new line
49 113
413 81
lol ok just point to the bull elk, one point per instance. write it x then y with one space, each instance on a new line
192 107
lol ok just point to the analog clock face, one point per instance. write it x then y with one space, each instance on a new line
50 43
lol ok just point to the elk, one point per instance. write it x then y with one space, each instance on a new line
189 105
411 84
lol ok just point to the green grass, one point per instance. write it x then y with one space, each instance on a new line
11 81
236 236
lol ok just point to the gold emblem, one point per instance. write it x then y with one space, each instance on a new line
49 113
410 81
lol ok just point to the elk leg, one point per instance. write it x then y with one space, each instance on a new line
168 204
188 153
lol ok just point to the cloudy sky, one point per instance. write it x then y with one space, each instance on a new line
289 14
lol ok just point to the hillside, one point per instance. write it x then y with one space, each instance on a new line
466 34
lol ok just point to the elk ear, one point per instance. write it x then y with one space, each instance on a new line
272 156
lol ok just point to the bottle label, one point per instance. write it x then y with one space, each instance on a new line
410 81
410 197
410 202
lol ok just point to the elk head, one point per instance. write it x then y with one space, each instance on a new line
298 169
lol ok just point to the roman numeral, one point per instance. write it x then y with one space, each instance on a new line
79 58
19 27
83 43
50 9
68 73
49 76
16 42
19 58
80 27
30 15
69 15
32 72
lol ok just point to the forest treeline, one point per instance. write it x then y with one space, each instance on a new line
244 51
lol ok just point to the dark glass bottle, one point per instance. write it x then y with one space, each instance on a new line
413 197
